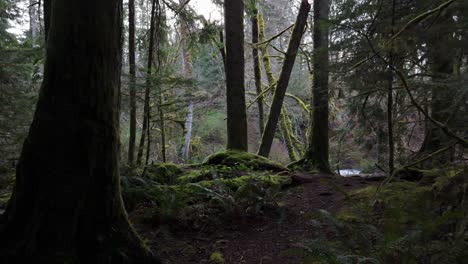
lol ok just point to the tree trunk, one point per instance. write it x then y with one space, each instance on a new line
391 144
188 73
257 71
132 71
146 107
285 124
66 205
441 62
283 82
235 70
33 22
317 154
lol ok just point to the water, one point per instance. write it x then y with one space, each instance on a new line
349 172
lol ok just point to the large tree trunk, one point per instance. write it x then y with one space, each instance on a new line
235 70
188 73
316 156
256 64
66 205
146 106
441 62
132 68
276 106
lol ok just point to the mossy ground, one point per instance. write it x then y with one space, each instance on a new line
401 222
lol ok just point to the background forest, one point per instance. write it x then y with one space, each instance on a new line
375 91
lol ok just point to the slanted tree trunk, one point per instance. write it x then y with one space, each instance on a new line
146 106
316 156
285 124
66 205
235 70
132 72
188 74
276 106
256 63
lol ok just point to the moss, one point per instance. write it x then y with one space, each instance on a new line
195 176
217 257
244 160
165 173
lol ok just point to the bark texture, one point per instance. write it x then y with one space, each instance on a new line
277 104
235 70
316 156
132 72
66 206
257 70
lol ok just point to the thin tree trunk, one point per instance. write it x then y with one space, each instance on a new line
257 71
391 145
317 153
188 73
132 71
283 82
146 107
235 70
66 205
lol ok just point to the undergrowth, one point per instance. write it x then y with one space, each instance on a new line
400 222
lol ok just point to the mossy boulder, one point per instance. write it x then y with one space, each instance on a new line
165 173
244 160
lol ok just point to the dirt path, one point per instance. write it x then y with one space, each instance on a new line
255 241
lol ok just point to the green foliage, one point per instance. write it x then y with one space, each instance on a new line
217 257
165 173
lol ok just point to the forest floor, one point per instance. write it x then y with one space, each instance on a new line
256 240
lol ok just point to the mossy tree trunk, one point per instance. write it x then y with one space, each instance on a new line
256 63
66 205
188 74
146 106
235 70
317 154
280 91
285 124
132 73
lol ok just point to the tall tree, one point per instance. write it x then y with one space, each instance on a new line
317 156
280 91
132 72
146 107
66 205
188 73
33 21
256 64
235 70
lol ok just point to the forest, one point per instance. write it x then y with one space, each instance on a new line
233 131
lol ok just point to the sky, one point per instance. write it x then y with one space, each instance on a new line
202 7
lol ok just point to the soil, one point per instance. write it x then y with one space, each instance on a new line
254 241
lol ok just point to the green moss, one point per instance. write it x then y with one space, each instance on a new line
217 257
195 176
244 160
165 173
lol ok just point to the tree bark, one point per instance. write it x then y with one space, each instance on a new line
132 72
317 154
33 22
276 106
66 205
146 106
188 73
257 71
235 70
